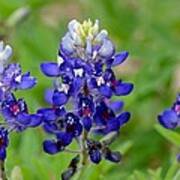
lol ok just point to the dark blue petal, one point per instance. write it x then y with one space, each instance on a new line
60 111
119 58
50 128
26 82
64 138
123 118
168 119
87 123
98 119
112 125
2 153
50 69
116 106
35 120
123 89
105 91
48 114
113 156
95 156
78 129
50 147
59 98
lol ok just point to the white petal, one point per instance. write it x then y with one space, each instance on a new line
101 36
107 49
1 46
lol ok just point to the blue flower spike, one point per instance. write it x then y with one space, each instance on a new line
80 99
13 111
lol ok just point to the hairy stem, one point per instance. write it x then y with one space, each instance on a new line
84 155
2 171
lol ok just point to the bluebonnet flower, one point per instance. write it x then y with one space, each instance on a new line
170 117
14 111
11 77
83 84
15 114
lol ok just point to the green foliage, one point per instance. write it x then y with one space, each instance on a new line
170 135
150 31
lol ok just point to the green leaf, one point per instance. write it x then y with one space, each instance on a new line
177 176
156 175
16 173
172 170
170 135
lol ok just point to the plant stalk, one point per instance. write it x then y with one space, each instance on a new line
2 171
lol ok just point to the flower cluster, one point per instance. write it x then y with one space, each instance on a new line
170 118
14 111
80 99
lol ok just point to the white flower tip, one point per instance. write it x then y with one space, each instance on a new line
1 45
5 52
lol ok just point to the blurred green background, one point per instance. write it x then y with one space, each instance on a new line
149 30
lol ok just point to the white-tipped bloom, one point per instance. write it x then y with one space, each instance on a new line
5 54
85 40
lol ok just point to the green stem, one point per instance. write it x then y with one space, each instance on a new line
2 171
84 155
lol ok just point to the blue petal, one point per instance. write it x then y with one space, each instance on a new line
113 156
2 153
60 111
48 95
123 89
64 138
59 98
50 147
50 128
50 69
26 82
168 119
77 84
112 125
119 58
23 119
105 91
78 129
2 93
95 156
116 106
87 123
123 118
7 114
48 114
35 120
